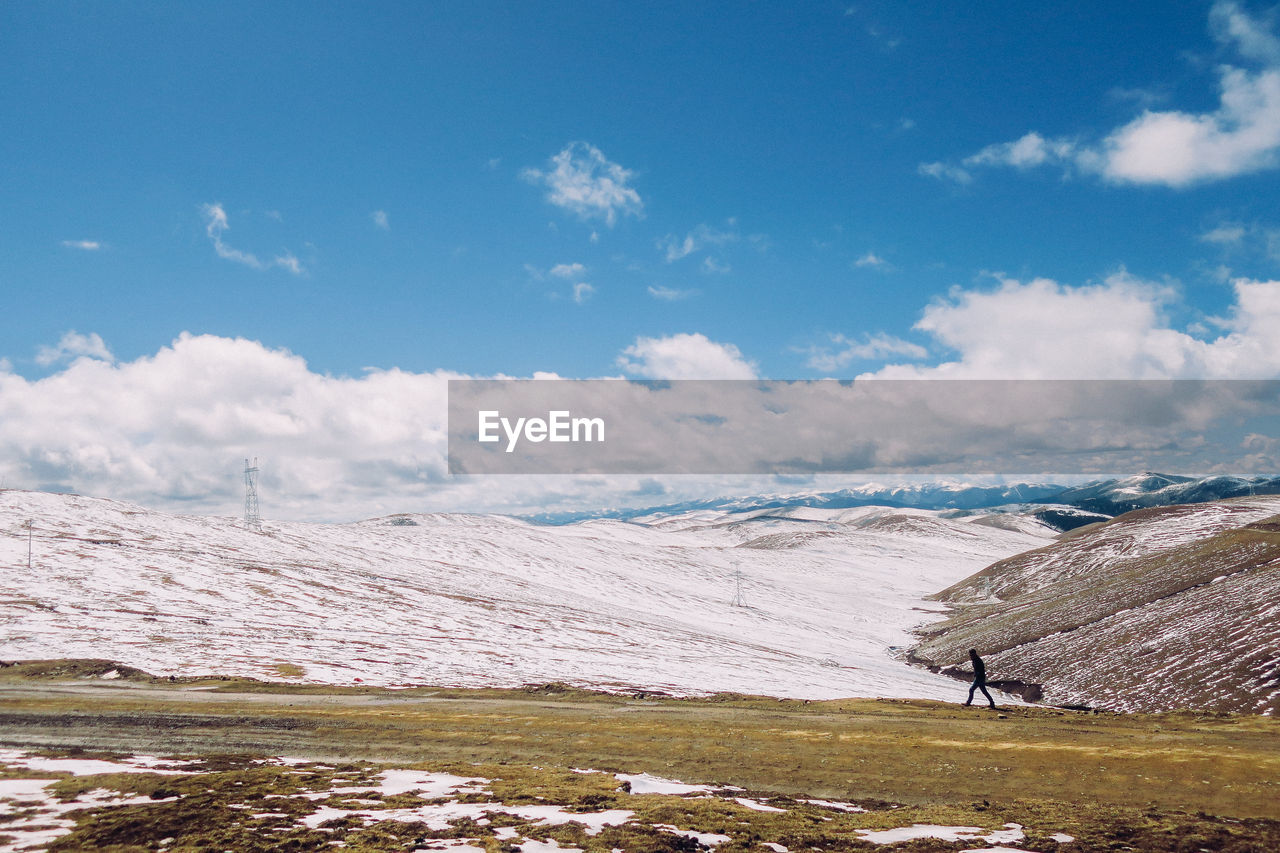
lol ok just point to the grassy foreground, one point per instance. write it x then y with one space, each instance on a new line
1140 782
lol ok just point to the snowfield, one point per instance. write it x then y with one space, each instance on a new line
469 600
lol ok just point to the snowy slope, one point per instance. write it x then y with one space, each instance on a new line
1159 609
491 600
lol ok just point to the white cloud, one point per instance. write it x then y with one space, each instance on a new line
873 261
711 265
674 248
582 292
1031 150
1232 25
583 181
381 220
685 356
847 350
1117 329
289 262
567 270
84 245
1177 148
1252 239
1171 147
669 294
216 224
945 171
1227 234
74 345
172 428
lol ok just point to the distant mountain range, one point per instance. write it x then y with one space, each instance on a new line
1064 507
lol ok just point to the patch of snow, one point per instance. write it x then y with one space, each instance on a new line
429 785
710 839
441 816
844 807
643 783
87 766
1011 833
548 846
756 805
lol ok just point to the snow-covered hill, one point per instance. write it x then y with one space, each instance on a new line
490 600
1158 609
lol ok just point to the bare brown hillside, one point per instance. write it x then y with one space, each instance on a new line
1173 607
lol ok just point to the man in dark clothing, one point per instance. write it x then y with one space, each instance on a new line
979 678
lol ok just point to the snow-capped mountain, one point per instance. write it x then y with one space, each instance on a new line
1063 506
490 600
1113 497
1158 609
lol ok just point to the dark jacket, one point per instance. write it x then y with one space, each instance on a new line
979 668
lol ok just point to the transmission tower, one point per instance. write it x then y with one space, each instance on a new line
738 600
252 520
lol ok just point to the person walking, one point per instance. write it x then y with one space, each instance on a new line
979 678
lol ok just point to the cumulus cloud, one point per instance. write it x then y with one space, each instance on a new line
583 181
1116 329
1177 148
381 220
172 428
582 292
1171 147
217 224
842 351
74 345
83 245
685 356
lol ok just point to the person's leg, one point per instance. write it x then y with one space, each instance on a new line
972 687
983 687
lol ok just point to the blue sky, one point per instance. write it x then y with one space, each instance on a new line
644 189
